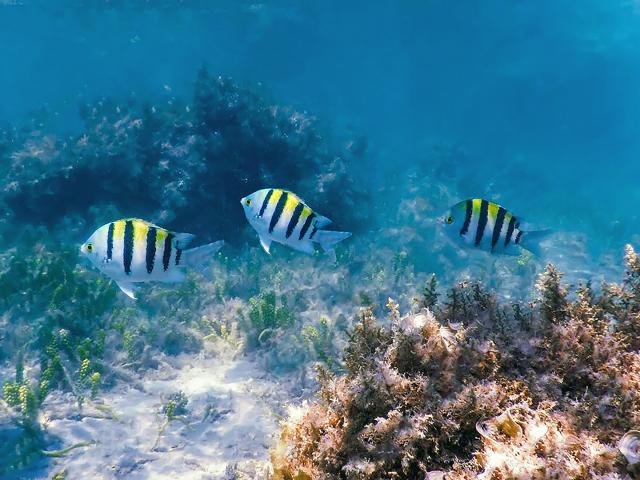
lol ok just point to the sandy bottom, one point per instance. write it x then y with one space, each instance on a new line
233 413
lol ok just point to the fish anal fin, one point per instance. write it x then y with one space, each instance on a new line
176 275
305 246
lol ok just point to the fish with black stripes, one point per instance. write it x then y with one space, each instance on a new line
131 251
281 216
487 226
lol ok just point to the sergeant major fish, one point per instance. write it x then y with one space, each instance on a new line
281 216
132 250
488 226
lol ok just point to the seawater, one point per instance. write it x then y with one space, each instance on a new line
533 105
541 96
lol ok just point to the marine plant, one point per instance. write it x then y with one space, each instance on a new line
203 153
472 387
175 408
68 332
321 341
269 313
57 310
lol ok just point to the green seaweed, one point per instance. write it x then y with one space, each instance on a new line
320 340
268 313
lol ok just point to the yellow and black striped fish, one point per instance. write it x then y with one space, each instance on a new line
488 226
133 250
281 216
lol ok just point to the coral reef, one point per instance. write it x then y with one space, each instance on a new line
474 388
178 163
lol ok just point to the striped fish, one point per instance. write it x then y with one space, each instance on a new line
488 226
281 216
132 250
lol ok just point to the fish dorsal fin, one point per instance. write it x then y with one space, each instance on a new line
322 221
294 195
140 220
181 240
145 222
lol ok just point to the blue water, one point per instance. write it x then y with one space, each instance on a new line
532 104
541 96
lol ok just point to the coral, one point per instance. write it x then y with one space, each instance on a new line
472 388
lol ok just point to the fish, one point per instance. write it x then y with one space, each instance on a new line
485 225
132 250
281 216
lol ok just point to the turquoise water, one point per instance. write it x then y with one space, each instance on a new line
380 114
542 98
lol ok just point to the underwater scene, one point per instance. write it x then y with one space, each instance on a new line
320 240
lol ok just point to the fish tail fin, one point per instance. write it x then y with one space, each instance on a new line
196 258
531 240
327 239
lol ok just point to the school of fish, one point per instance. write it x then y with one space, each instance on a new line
131 251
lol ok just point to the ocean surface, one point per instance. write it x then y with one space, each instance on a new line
393 112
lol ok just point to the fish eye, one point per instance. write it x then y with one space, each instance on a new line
449 220
248 202
89 247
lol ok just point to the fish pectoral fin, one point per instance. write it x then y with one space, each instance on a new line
181 240
127 288
266 243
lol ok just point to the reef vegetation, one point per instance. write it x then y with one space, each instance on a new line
470 387
177 161
462 383
64 327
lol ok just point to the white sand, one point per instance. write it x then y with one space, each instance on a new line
232 441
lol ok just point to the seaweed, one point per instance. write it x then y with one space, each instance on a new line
268 313
475 388
178 163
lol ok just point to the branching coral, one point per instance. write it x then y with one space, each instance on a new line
478 389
